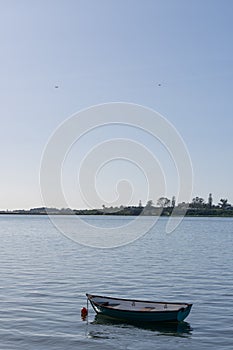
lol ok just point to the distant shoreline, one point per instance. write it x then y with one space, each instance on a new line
127 211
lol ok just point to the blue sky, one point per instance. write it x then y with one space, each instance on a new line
104 51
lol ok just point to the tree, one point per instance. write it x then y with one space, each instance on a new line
173 201
149 204
163 202
198 202
223 203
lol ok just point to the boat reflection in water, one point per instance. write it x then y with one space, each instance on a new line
180 329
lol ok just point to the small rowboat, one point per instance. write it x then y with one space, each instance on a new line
139 310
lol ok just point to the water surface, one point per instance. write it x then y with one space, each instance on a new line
44 278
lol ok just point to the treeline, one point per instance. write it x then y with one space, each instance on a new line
163 207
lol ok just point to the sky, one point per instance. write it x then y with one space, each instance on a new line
171 56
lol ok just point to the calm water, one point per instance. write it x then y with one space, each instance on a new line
44 277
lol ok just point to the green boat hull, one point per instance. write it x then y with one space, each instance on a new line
164 316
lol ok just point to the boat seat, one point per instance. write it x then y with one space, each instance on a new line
109 304
113 304
147 308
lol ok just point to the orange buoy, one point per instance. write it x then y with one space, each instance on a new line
84 313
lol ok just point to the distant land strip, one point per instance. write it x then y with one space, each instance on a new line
128 211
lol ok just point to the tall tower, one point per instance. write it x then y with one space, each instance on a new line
210 201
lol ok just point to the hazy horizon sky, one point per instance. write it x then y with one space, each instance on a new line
173 56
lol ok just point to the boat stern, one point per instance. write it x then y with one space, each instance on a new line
183 312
